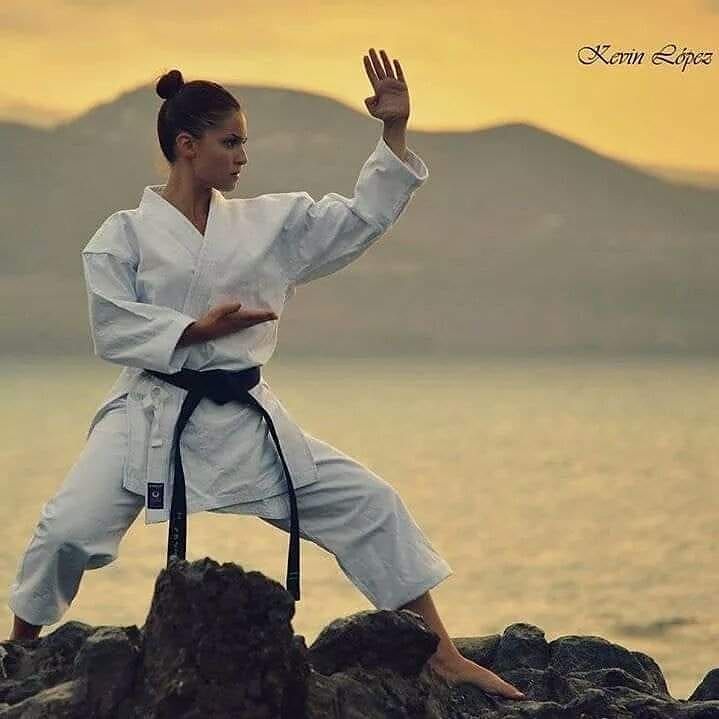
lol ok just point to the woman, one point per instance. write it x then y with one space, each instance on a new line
150 273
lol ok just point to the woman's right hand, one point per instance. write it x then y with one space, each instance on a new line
228 318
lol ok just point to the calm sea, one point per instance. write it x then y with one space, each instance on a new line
579 495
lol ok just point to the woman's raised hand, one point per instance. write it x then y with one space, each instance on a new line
390 102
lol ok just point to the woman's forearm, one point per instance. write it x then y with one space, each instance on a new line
191 336
395 135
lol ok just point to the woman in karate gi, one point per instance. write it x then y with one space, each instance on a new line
192 280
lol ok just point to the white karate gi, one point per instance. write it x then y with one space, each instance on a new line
149 273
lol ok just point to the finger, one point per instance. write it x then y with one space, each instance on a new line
370 72
387 64
226 308
257 315
379 70
400 74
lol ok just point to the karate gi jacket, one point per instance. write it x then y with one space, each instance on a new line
149 273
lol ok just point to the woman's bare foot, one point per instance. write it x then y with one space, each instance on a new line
456 669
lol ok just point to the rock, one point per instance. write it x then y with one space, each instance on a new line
218 642
295 694
481 650
654 673
16 661
38 664
321 696
107 661
583 653
398 640
521 645
708 687
63 701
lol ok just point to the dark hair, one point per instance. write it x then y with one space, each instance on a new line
190 107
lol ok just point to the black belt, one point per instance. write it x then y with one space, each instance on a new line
222 386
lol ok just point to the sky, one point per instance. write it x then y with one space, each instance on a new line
469 64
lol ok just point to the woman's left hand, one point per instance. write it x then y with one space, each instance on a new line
390 103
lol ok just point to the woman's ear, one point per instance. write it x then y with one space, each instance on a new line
186 145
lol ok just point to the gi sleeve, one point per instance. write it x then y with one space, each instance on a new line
125 331
321 237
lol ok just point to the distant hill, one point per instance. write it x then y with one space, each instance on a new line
520 241
701 178
13 109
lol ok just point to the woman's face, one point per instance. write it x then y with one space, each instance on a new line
220 153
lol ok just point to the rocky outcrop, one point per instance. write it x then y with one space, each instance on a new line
218 642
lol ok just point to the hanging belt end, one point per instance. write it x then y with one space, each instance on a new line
293 585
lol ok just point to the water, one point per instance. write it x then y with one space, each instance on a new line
574 494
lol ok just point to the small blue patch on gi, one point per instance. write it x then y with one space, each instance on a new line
155 495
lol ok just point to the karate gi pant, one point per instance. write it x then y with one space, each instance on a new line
349 511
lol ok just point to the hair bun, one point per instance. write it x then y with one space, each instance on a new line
170 84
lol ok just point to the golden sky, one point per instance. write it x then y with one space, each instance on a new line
468 63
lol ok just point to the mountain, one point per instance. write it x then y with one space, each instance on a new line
520 241
702 178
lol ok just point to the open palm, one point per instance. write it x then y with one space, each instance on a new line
390 102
